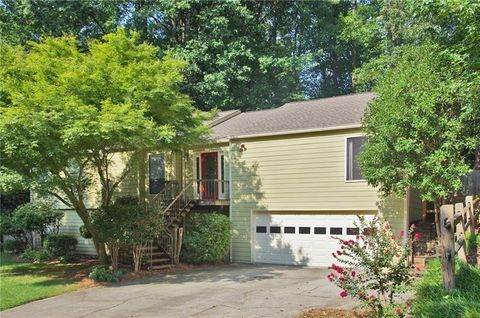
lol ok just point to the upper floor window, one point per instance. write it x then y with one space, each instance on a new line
354 146
156 173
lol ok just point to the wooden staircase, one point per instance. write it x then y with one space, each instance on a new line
173 205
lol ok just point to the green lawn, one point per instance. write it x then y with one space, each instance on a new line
24 282
433 301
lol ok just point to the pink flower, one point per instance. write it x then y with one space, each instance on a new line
343 294
402 233
370 297
339 253
342 247
417 236
398 311
353 273
394 237
413 226
351 241
388 227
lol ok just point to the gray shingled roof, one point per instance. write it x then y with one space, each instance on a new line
321 113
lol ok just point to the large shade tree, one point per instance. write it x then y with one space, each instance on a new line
64 113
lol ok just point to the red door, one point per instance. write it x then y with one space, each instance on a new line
209 182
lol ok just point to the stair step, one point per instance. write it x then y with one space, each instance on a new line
161 266
160 260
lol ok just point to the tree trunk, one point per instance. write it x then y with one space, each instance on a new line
477 159
437 219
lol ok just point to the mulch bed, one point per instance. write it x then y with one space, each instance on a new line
332 313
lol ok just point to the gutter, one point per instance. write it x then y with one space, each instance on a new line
289 132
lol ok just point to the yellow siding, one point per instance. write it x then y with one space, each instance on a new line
297 173
70 224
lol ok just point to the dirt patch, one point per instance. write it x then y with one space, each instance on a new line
332 313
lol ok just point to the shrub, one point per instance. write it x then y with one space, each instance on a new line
35 255
13 246
60 244
38 216
126 223
104 274
383 275
207 238
84 232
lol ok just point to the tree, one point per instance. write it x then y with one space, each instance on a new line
65 113
418 126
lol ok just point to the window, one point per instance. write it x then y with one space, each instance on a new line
353 231
156 173
320 230
336 230
261 229
289 230
304 230
354 146
274 229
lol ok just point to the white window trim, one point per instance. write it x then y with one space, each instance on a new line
346 158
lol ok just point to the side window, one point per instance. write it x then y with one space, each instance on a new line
354 146
156 173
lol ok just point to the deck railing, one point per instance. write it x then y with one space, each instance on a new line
211 189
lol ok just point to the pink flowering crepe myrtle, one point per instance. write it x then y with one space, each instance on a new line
373 267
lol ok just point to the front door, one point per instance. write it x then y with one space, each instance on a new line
209 184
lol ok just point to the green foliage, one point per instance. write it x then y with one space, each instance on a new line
60 244
37 216
35 255
126 223
375 267
431 298
417 127
84 232
207 238
104 274
65 111
13 246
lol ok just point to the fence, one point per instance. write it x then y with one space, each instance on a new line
454 221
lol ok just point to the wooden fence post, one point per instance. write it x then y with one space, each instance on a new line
470 216
448 247
460 232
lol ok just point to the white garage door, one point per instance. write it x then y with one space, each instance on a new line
300 239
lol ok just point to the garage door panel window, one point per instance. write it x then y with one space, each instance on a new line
336 230
320 230
275 229
303 230
353 231
261 229
289 230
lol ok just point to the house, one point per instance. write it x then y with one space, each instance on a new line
287 178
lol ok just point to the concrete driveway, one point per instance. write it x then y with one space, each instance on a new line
228 291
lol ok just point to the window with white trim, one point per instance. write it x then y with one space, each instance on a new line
354 147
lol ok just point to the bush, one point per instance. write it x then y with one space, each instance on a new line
38 216
384 274
35 255
13 246
207 238
104 274
60 244
84 232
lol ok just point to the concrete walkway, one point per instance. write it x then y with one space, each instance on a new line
229 291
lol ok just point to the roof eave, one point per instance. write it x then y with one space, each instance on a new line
289 132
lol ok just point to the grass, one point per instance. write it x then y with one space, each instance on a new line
433 301
21 282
